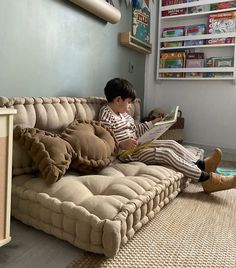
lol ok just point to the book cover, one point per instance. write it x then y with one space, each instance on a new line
214 41
172 60
224 5
197 29
173 12
141 21
159 128
196 9
173 31
224 22
226 171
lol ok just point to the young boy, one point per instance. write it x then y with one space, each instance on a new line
119 94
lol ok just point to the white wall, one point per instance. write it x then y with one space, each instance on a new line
209 107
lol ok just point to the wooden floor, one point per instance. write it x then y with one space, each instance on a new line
30 248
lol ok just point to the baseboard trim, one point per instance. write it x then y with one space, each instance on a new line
228 154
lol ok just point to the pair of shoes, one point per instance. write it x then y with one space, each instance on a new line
212 161
217 182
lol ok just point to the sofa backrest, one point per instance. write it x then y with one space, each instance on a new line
51 114
55 113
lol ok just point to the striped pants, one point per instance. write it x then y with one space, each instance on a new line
167 152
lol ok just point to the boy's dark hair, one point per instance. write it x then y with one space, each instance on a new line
119 87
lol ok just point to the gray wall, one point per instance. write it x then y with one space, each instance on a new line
55 48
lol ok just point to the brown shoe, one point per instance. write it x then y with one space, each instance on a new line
217 182
212 161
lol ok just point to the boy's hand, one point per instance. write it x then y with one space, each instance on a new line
156 120
128 144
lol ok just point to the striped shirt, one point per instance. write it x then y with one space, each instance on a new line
122 125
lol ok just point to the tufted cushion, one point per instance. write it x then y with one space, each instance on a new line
52 114
51 154
98 212
94 144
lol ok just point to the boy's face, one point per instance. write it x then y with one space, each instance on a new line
123 105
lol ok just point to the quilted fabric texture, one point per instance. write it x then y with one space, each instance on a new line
51 154
98 213
52 114
94 144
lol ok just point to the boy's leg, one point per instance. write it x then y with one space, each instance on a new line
177 148
209 164
162 156
165 156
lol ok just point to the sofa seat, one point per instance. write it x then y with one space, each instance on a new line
98 213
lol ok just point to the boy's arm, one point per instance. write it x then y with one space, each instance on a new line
141 128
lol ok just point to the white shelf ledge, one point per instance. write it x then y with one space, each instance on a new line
192 4
197 37
196 78
197 70
199 46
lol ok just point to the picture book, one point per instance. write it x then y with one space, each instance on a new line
172 60
222 22
197 9
141 22
224 5
173 12
224 40
173 31
159 128
226 171
198 29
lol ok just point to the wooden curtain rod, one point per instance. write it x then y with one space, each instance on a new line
101 9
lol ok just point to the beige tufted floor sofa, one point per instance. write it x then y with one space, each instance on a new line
97 213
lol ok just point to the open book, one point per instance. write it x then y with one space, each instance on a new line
159 128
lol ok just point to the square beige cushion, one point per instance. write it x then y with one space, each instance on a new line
50 154
94 144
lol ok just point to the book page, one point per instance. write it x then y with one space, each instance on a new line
160 127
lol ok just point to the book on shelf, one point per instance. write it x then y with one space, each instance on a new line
174 12
223 22
173 32
160 127
172 60
224 5
224 40
225 171
197 29
141 22
194 60
219 62
197 9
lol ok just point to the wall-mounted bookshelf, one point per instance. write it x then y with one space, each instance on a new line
223 48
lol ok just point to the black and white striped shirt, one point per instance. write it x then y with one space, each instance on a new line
122 125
